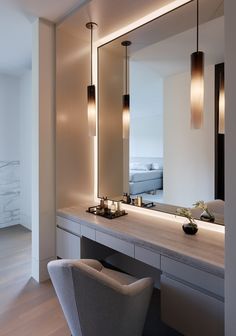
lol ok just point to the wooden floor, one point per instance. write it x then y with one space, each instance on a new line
26 307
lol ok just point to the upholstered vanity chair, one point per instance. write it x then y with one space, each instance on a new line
97 301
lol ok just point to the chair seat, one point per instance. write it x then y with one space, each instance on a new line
121 278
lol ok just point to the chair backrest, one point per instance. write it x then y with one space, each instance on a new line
95 304
60 272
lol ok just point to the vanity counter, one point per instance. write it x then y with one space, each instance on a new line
204 251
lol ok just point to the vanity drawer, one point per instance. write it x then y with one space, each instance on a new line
147 256
190 311
194 276
68 245
115 243
69 225
88 232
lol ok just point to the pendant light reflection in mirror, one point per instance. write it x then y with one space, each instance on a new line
221 126
126 97
197 82
91 91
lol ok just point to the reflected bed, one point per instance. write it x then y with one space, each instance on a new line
146 175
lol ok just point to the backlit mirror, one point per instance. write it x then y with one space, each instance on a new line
164 160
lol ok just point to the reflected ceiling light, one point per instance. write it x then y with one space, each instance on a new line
126 100
221 127
91 91
197 83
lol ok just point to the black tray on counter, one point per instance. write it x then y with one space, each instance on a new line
144 205
109 215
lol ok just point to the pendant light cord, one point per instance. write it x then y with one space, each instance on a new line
126 69
91 65
126 44
197 24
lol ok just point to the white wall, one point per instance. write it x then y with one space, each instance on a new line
146 111
26 148
9 151
230 168
15 150
9 118
188 153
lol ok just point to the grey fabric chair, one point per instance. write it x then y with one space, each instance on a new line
97 301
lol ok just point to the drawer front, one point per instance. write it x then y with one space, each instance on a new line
193 275
147 256
88 232
69 225
68 245
115 243
189 311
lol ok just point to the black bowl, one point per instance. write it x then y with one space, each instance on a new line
190 228
207 218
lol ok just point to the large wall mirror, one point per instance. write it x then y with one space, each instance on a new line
163 160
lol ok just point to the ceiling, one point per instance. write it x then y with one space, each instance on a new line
170 24
172 55
52 10
166 43
16 17
110 15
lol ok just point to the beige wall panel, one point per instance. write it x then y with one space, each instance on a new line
110 123
74 147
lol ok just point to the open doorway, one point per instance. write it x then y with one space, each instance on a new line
15 145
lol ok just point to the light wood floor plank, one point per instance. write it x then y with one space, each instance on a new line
26 307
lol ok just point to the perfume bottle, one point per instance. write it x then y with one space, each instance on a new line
128 199
139 201
106 207
118 206
102 203
105 203
113 207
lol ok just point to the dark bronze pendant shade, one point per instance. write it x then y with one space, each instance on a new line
221 123
91 110
126 116
197 83
126 97
91 90
197 89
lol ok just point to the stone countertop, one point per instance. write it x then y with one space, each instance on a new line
204 251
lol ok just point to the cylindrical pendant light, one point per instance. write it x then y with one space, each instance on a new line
91 92
197 83
221 126
126 116
126 100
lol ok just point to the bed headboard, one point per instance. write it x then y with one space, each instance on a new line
139 159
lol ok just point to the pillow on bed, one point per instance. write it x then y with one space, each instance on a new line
140 166
155 166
